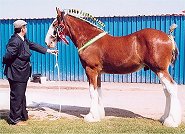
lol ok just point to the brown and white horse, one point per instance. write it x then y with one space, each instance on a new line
100 52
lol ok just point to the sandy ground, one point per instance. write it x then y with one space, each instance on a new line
55 100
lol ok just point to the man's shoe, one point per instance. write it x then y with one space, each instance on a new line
31 117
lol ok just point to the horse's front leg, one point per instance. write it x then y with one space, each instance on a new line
93 115
100 100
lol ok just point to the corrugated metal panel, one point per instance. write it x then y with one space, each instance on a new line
70 66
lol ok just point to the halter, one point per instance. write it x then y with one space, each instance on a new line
61 34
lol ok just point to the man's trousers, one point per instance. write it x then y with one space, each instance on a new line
18 110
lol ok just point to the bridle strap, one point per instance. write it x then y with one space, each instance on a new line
62 36
92 40
60 32
67 26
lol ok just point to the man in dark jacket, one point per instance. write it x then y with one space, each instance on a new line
18 70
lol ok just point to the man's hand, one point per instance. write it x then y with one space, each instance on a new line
52 51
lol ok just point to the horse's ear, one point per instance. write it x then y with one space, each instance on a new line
58 11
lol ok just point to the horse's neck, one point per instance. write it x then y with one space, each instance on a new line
81 31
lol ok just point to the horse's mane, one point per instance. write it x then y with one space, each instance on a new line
85 17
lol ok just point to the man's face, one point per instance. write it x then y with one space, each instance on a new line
24 30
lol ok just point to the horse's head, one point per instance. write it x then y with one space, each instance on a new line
57 30
78 25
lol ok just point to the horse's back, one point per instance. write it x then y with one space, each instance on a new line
152 34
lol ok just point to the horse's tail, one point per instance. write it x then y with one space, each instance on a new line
175 54
175 51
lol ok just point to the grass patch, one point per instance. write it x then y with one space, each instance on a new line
78 126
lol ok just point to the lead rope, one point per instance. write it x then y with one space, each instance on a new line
57 66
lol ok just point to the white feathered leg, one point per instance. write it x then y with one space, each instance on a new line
173 111
100 104
93 115
167 106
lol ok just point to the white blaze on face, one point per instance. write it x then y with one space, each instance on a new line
49 39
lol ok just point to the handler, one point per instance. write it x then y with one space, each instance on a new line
18 70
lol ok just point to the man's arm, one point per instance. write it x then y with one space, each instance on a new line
11 52
40 49
36 47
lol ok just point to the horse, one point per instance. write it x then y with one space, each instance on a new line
100 53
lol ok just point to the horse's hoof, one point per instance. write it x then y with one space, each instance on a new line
162 119
89 118
102 114
169 122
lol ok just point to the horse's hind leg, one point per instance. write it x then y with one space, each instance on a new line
167 106
93 115
100 101
172 114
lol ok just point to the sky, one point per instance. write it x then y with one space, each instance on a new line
46 8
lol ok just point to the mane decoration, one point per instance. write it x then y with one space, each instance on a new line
86 17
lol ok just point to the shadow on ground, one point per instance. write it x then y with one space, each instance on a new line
4 114
77 111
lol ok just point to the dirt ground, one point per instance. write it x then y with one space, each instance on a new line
53 100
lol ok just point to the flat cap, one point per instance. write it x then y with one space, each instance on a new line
19 23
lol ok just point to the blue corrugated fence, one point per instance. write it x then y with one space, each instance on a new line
70 66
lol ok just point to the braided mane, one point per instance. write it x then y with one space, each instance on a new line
85 17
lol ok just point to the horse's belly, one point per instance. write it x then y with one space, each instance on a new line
123 69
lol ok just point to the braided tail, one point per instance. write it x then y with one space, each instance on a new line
175 54
175 51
